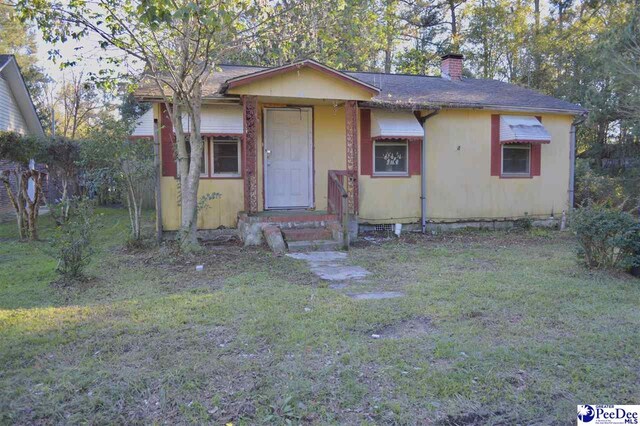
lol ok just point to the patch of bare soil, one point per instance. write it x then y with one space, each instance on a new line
414 327
518 380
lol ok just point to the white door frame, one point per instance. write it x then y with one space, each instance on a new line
265 145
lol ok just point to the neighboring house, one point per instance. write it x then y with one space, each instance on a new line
17 114
281 143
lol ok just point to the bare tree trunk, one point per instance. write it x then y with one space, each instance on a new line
189 164
16 199
189 224
454 25
387 54
32 205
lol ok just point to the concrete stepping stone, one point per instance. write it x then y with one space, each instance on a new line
331 265
339 273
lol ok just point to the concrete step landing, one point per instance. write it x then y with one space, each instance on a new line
313 245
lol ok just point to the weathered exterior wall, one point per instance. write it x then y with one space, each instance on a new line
460 185
11 118
304 83
389 199
223 211
329 148
459 181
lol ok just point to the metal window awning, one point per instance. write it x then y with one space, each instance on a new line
395 125
218 119
522 129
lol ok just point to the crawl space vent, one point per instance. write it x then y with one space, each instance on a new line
388 227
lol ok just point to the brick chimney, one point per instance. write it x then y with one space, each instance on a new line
451 66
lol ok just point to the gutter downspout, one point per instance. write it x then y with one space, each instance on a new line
572 159
423 169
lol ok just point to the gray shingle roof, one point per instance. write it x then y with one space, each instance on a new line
417 91
468 92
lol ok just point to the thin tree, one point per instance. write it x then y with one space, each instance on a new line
178 44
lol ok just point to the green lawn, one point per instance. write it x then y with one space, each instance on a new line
498 328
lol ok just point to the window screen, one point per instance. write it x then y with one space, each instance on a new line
391 157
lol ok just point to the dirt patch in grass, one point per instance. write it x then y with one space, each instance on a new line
410 328
220 261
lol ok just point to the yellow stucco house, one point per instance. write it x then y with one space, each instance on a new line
303 146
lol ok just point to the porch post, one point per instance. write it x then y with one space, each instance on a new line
250 119
351 114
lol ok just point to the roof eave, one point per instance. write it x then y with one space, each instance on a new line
430 106
217 99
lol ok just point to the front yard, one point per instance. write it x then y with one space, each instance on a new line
499 328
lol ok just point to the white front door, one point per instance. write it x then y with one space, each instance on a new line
288 158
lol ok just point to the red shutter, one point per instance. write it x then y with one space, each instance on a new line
415 146
366 146
536 153
496 150
167 141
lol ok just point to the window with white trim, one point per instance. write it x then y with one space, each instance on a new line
391 157
225 157
516 159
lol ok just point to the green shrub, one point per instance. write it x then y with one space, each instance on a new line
632 242
72 245
605 236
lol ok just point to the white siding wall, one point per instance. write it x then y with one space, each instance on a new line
144 126
10 116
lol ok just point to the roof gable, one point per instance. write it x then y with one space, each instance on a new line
10 72
303 79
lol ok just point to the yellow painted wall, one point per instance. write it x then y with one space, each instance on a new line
389 199
459 181
305 83
330 148
223 211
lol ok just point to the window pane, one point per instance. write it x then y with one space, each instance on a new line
390 158
515 160
225 157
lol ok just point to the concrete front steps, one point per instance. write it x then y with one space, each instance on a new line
293 231
310 239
